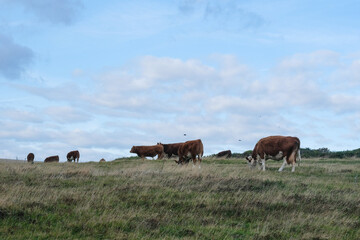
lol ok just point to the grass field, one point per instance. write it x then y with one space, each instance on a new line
132 199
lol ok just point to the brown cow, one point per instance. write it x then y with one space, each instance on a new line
52 159
191 149
224 154
102 160
277 148
148 151
73 155
171 148
30 157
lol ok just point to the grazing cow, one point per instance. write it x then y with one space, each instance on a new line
191 149
224 154
277 148
171 148
30 157
52 159
102 160
148 151
73 155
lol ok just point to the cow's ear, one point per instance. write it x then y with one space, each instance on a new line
249 158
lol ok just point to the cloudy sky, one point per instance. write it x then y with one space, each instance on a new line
101 76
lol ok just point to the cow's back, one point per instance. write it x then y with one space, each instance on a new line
52 159
75 154
193 146
272 145
148 151
224 154
171 148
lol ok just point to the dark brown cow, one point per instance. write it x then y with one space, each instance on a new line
30 157
277 148
52 159
171 148
191 149
224 154
102 160
73 155
148 151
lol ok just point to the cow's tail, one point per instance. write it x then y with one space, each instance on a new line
295 153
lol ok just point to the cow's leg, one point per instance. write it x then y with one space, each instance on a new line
298 156
179 161
283 165
263 164
293 167
194 160
293 160
199 159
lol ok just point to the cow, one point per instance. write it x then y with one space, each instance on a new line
73 155
224 154
171 148
148 151
52 159
30 158
102 160
191 149
276 148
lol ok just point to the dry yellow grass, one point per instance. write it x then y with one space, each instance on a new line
134 199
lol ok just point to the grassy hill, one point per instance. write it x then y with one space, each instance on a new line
132 199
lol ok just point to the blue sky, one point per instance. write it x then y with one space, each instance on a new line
102 76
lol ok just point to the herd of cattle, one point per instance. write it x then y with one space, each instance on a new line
71 156
185 151
272 147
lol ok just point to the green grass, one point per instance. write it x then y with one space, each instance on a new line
134 199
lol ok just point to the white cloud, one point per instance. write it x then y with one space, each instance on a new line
67 114
21 115
348 76
20 131
345 103
66 91
309 61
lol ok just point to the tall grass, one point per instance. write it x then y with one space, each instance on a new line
134 199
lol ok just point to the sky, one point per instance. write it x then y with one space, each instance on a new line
102 76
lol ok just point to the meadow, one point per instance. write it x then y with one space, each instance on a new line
134 199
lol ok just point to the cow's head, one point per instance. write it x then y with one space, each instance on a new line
132 150
183 160
251 161
180 161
